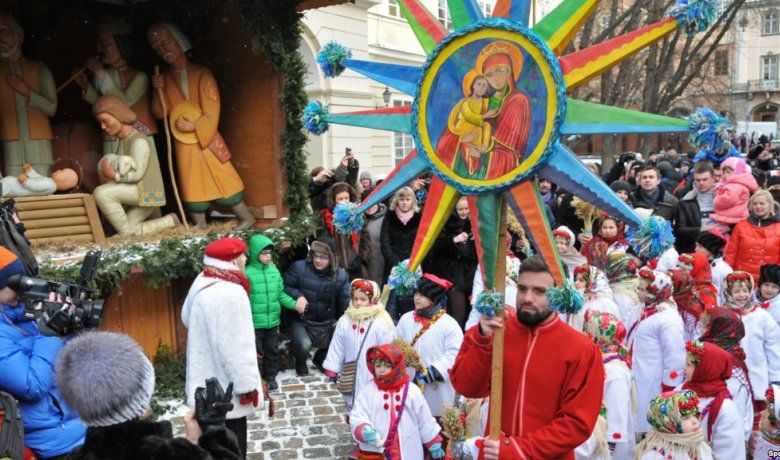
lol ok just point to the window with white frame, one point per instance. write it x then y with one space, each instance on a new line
769 67
393 9
444 14
770 24
402 142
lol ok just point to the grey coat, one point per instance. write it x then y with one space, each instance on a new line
376 266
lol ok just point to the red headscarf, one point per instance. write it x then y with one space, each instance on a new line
705 294
709 377
397 377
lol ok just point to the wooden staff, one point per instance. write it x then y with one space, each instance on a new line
497 364
170 150
72 77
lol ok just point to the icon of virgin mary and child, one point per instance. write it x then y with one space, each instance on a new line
488 129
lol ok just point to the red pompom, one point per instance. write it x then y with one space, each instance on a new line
386 396
387 407
673 375
617 435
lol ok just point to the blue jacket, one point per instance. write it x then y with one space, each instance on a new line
302 279
27 360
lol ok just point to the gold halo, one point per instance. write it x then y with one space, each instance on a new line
468 80
191 111
502 47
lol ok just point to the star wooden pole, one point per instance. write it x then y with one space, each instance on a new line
170 150
497 365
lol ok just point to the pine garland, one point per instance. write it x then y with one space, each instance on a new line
170 259
276 27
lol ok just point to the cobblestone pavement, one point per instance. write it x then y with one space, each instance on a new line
309 422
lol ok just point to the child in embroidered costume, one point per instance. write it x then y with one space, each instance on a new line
768 292
390 418
267 297
364 324
768 444
437 338
676 429
564 242
595 289
707 367
621 273
656 341
609 334
761 342
724 328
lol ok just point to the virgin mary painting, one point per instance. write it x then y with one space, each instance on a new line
487 131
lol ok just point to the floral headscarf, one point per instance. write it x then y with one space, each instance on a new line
665 414
621 267
598 284
598 249
397 377
740 278
660 286
608 333
713 368
375 309
367 287
704 293
772 433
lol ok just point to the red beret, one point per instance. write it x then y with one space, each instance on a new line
226 249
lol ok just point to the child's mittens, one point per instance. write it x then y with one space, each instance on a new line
333 377
421 379
369 434
436 450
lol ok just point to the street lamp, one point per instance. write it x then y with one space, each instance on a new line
386 96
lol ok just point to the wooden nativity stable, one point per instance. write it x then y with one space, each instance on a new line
62 34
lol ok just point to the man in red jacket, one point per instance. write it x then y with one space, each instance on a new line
553 375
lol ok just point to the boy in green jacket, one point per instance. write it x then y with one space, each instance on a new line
267 297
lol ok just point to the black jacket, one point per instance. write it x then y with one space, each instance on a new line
140 440
455 262
688 223
665 206
302 279
317 192
397 239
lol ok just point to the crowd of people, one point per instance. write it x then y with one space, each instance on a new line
672 357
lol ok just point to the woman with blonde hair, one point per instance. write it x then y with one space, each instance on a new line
399 230
755 241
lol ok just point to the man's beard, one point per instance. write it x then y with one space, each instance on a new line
533 319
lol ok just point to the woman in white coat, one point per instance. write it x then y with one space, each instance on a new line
707 368
656 341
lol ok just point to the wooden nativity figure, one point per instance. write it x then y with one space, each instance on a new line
133 186
32 183
205 174
28 98
113 76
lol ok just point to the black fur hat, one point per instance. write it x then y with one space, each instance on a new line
770 273
433 287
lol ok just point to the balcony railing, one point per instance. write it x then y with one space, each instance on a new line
764 85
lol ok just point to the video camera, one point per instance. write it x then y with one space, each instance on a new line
74 307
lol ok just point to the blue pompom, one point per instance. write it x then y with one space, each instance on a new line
346 218
565 299
489 303
331 59
402 280
708 130
313 118
694 15
652 239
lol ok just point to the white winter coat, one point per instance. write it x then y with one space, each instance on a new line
438 347
655 455
762 347
510 293
774 306
417 425
618 388
220 339
764 448
658 358
720 270
346 342
630 307
728 440
743 400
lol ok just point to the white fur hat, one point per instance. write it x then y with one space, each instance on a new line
105 377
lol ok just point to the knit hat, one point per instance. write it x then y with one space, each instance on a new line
770 273
105 377
433 287
772 181
224 249
366 174
619 185
712 241
9 265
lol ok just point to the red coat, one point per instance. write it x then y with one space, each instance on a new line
752 246
553 385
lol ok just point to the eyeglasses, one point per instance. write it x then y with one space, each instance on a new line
266 252
321 256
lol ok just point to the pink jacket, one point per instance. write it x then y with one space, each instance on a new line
731 198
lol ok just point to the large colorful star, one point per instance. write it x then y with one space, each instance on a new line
546 75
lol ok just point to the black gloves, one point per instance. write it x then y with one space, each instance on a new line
212 403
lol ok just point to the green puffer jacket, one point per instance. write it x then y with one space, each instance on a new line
266 294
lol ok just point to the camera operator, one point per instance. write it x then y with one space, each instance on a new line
107 379
27 357
323 178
